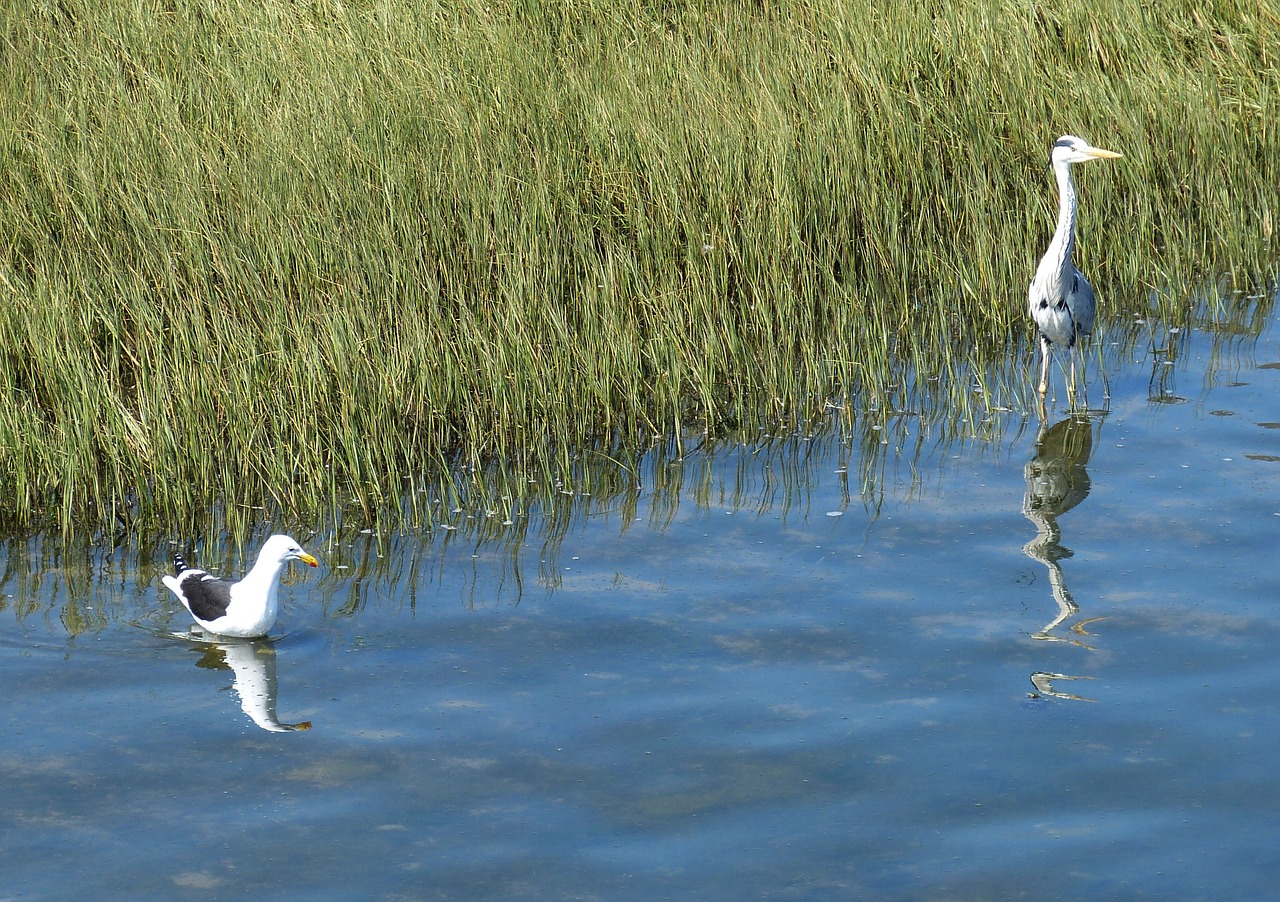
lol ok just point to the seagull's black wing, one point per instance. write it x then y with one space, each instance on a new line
206 596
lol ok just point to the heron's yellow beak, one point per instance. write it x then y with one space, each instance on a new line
308 559
1098 153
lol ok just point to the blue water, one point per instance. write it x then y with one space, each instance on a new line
770 670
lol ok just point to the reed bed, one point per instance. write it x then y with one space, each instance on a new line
307 256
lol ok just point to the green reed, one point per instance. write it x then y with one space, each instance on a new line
293 256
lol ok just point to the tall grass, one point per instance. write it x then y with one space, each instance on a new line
303 255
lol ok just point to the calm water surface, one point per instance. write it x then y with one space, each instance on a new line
1032 663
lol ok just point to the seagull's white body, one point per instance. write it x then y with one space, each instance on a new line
246 609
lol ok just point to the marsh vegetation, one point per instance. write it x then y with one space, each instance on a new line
303 257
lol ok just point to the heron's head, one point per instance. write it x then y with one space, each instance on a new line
1070 149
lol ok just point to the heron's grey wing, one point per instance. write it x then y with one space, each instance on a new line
1080 303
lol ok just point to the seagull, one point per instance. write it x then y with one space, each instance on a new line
244 609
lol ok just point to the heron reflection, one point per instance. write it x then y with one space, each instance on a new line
1057 480
253 665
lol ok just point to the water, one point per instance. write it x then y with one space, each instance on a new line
964 668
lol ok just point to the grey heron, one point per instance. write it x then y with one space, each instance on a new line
1060 298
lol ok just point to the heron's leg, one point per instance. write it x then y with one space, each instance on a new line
1084 382
1044 364
1084 388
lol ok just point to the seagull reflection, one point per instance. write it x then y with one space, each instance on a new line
1057 480
253 663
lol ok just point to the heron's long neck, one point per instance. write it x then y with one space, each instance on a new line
1059 253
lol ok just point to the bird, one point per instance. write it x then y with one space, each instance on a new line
1060 297
245 609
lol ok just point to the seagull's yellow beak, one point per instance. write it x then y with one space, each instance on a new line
1098 153
308 559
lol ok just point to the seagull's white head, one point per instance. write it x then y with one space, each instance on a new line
281 549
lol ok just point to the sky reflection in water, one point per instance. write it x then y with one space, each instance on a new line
1040 662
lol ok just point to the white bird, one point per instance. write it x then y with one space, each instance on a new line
1060 298
245 609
